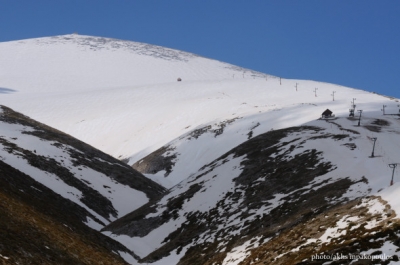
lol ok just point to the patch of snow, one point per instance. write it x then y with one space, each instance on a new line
160 178
128 258
337 231
172 258
93 224
142 246
374 206
239 253
388 250
391 195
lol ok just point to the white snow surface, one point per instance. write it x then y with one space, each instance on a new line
238 254
391 195
111 93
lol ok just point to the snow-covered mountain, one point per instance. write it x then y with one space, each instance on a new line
61 183
270 185
89 86
102 186
254 175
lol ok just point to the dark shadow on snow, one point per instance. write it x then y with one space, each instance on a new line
6 90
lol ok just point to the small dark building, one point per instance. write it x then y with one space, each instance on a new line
327 114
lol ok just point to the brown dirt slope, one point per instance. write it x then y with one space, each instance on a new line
40 227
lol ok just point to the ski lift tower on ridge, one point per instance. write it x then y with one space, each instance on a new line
353 108
393 165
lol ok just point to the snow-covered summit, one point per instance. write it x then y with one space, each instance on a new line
97 88
76 62
123 97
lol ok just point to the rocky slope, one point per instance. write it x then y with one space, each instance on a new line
38 226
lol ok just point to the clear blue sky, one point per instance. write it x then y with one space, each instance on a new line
346 42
